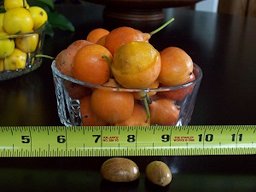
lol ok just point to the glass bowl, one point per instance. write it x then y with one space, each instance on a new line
25 57
152 106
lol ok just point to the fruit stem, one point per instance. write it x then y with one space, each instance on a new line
109 61
45 56
161 27
146 102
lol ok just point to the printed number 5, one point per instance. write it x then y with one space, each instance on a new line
25 139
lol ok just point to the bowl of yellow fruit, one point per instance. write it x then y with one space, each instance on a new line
21 38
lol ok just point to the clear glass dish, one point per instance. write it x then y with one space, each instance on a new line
27 54
70 93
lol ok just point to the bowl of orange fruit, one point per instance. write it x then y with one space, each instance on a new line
118 78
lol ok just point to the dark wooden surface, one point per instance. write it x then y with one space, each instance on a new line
223 45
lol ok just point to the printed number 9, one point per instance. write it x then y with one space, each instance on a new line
165 138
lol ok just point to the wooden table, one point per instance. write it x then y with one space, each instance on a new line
222 45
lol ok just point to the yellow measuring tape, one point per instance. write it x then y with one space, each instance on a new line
63 141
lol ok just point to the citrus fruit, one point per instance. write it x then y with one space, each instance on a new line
136 65
1 22
138 117
112 106
6 45
17 60
163 112
64 59
76 45
76 91
181 93
122 35
176 66
27 44
102 40
95 34
87 115
62 63
90 65
39 16
18 20
11 4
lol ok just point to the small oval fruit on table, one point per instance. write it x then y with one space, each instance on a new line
124 81
119 169
158 173
21 35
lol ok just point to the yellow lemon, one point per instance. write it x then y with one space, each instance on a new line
1 65
136 65
6 45
1 22
11 4
18 20
17 60
39 16
27 44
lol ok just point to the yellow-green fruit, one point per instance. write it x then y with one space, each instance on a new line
39 16
1 22
1 65
6 45
17 60
11 4
18 20
27 44
136 64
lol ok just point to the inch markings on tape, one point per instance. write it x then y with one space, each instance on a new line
60 141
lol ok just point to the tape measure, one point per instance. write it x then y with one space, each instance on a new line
55 141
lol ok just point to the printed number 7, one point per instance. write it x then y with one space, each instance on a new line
97 137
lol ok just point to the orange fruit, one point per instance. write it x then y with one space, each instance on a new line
136 65
64 60
138 117
112 106
179 94
63 63
87 116
176 66
102 40
122 35
76 91
95 34
163 112
76 45
90 65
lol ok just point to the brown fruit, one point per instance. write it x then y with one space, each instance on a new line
119 169
158 173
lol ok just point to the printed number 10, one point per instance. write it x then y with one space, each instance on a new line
207 137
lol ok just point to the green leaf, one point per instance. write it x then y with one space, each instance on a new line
41 3
60 21
48 30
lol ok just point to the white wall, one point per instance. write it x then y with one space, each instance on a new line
207 5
